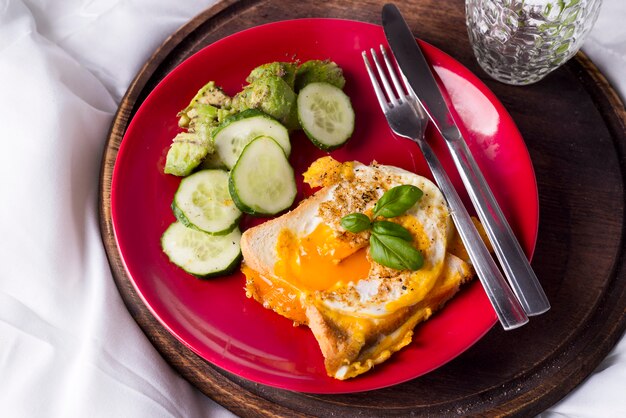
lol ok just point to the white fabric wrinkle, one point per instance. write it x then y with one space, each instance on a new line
54 47
15 21
71 70
36 324
123 375
76 351
55 21
76 165
607 49
71 30
609 29
606 46
16 347
611 63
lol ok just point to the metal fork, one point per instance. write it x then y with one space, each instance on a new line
407 119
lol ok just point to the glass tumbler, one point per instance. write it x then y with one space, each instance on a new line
520 41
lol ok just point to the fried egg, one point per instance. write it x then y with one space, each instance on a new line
305 266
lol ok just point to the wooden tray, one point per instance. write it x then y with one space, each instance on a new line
575 128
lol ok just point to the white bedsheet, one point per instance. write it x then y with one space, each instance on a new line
68 346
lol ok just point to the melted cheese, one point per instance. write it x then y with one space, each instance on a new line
327 171
275 294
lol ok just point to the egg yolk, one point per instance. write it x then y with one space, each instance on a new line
319 260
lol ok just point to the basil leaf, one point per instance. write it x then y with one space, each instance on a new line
391 228
394 252
396 201
356 222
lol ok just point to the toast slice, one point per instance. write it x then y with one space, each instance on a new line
351 341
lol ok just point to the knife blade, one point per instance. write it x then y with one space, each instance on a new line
421 81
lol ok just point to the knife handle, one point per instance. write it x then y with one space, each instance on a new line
508 308
516 266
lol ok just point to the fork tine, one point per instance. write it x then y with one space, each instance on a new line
383 77
379 93
403 86
392 72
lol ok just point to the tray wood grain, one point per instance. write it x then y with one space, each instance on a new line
574 125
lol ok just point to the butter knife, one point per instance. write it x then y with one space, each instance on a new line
418 74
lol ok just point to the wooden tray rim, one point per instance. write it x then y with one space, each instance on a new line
221 384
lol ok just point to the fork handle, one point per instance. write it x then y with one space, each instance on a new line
507 307
508 250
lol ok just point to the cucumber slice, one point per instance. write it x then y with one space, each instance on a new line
203 202
199 253
262 182
326 115
239 130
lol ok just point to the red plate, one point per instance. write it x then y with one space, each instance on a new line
214 318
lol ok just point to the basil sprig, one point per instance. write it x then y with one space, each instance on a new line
394 252
391 229
396 201
356 222
390 243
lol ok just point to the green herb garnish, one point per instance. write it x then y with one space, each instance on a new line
356 222
394 252
390 243
391 229
396 201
